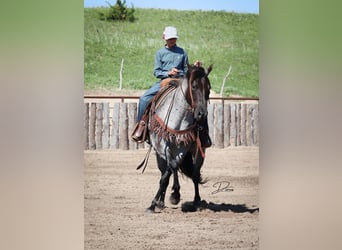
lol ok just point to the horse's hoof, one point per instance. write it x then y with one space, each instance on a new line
189 206
161 205
150 209
174 198
193 206
203 204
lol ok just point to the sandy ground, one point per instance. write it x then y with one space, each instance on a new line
116 196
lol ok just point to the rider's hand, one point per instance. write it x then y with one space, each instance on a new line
173 72
198 63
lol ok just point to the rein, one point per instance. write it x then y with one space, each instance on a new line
160 127
192 102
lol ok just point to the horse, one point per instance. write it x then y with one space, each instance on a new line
176 116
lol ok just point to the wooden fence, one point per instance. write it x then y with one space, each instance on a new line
108 125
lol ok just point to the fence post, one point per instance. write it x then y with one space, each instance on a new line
233 124
123 127
238 124
226 125
86 126
99 125
132 117
255 117
211 122
115 126
92 126
106 125
249 128
218 122
243 124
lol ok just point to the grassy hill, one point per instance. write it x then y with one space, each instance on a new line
214 37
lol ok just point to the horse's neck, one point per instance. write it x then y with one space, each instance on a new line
175 110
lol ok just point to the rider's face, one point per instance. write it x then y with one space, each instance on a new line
171 42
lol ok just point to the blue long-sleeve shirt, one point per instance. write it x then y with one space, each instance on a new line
168 58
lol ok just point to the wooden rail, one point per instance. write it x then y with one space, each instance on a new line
123 97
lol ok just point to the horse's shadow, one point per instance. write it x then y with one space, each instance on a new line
235 208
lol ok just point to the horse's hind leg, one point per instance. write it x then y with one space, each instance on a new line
192 170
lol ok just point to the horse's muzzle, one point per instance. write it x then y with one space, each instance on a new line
200 115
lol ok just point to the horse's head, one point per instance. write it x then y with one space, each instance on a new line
198 90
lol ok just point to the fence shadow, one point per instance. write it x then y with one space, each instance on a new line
235 208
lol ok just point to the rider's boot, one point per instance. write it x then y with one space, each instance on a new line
139 132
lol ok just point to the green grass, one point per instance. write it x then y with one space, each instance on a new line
214 37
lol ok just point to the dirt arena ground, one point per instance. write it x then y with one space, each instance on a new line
116 196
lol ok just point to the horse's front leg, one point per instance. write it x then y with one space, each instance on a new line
196 180
177 159
158 199
163 184
175 195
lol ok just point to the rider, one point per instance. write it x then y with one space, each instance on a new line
170 62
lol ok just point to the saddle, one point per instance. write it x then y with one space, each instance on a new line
140 131
167 81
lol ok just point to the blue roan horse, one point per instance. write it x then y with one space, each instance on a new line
176 116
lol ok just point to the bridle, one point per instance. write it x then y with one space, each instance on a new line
189 96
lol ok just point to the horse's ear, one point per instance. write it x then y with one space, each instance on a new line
209 69
189 69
